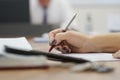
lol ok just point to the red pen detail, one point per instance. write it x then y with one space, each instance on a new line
51 48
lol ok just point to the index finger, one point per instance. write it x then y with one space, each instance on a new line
53 33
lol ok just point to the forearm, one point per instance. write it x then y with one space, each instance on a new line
107 43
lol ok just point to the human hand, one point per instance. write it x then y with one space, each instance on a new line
71 41
116 54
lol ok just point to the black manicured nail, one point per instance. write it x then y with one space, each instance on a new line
58 48
54 42
66 50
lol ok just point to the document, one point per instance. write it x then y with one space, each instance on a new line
94 56
21 43
11 61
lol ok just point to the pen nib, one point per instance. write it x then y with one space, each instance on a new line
51 48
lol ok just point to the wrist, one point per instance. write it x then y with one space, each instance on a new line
105 43
90 46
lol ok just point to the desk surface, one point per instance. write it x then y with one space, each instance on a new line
59 73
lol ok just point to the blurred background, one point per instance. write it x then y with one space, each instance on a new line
35 17
104 14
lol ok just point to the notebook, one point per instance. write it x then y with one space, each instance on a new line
94 56
14 62
20 42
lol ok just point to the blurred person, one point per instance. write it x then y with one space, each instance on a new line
53 12
77 42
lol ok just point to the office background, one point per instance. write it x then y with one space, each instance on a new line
15 20
103 13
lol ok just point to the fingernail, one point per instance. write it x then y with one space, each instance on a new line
65 49
58 49
54 42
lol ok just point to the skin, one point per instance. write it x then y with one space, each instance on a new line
44 3
75 42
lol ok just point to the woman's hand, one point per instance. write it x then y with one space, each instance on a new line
117 54
71 41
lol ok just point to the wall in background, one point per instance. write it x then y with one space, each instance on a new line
99 11
99 17
94 2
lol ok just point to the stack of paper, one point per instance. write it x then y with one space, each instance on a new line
10 61
14 42
94 56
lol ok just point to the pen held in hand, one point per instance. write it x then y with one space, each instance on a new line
51 48
54 41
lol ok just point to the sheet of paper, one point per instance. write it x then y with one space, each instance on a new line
21 43
22 62
94 56
7 60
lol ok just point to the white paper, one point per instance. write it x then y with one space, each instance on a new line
10 60
21 43
94 56
22 62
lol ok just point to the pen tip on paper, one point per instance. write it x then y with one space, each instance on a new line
51 48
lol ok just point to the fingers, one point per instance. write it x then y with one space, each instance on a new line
66 49
59 48
117 54
60 37
63 48
53 33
